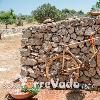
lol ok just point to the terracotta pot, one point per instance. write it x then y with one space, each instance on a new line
21 96
17 94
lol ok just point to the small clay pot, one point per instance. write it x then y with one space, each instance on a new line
21 96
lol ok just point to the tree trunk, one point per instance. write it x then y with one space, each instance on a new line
0 36
6 26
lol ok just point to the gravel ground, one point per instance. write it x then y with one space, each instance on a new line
9 60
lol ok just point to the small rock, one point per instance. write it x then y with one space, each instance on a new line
34 41
56 39
58 49
47 21
80 38
93 63
66 38
31 72
71 30
54 29
27 34
98 20
41 66
54 44
47 36
75 51
34 67
73 44
73 36
31 62
23 60
89 31
25 52
85 50
24 71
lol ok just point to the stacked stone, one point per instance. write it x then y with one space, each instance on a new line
41 42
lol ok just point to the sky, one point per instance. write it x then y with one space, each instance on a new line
26 6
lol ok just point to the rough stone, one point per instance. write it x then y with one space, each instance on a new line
27 34
41 66
89 31
73 44
84 50
31 73
48 21
71 30
98 59
58 49
79 38
73 36
64 31
55 39
97 42
54 29
24 42
23 60
24 71
75 51
98 20
25 52
91 22
47 46
47 36
93 63
35 41
66 39
31 62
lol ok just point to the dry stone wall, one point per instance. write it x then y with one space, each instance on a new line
42 42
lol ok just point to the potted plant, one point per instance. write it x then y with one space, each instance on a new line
26 88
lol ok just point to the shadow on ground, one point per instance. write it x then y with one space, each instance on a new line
75 95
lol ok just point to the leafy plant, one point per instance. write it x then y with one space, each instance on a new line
69 13
47 11
96 6
7 17
33 90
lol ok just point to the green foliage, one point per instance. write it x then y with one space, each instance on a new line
19 22
19 19
7 17
69 13
22 17
96 6
33 90
24 89
47 11
80 12
29 19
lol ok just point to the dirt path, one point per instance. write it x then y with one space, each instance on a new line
9 60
